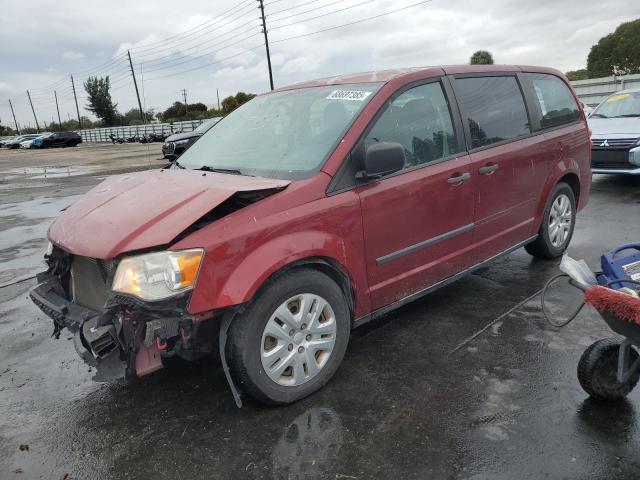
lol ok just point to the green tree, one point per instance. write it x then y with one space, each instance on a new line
232 102
6 131
132 117
580 74
99 98
481 57
175 112
617 53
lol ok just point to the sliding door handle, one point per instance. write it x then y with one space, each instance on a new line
488 169
458 178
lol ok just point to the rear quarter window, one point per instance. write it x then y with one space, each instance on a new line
557 106
494 108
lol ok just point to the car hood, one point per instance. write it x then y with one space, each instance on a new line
181 136
604 126
143 210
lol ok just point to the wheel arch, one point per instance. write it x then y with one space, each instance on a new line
326 265
565 171
573 181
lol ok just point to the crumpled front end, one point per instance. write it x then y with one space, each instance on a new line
121 336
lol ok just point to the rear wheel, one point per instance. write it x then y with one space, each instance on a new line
557 226
598 368
291 339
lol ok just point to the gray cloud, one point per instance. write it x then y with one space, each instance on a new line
84 36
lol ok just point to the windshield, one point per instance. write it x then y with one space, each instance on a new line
286 135
206 125
619 105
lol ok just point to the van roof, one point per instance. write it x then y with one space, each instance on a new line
417 73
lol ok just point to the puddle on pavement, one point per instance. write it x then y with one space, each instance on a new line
24 227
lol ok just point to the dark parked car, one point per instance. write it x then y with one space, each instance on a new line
314 209
15 142
175 145
57 139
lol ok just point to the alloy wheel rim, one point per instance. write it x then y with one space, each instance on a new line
560 219
298 339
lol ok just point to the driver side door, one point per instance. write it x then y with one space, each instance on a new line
418 222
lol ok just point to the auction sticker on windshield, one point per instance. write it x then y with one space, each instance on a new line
357 95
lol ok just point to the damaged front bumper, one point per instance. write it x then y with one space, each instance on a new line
129 338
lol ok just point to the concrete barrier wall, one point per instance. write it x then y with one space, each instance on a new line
593 91
102 134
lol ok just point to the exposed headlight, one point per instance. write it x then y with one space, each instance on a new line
181 142
49 250
160 275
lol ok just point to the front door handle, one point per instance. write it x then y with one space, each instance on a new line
458 178
488 169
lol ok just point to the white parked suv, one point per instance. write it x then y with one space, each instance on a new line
615 126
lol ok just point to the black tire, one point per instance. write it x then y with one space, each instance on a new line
597 371
542 247
245 338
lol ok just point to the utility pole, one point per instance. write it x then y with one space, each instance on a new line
14 117
218 94
135 84
184 97
266 41
73 85
58 109
34 112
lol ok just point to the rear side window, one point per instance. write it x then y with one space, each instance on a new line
557 105
494 108
420 120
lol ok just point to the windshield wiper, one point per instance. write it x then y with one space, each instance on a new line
598 115
628 115
230 171
177 164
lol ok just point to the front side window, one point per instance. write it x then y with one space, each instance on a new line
286 135
494 108
623 104
420 120
557 105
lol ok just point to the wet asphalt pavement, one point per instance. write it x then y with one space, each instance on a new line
451 386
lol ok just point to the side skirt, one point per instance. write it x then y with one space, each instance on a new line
414 296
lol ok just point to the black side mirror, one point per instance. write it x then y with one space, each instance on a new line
380 159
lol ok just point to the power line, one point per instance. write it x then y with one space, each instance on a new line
199 27
181 47
322 15
271 20
197 57
208 64
172 58
350 23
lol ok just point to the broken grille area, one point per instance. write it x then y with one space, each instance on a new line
89 278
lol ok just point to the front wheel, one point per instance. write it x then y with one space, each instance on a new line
558 222
291 339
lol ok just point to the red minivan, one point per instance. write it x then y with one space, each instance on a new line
311 210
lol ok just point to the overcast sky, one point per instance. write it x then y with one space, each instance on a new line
43 41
